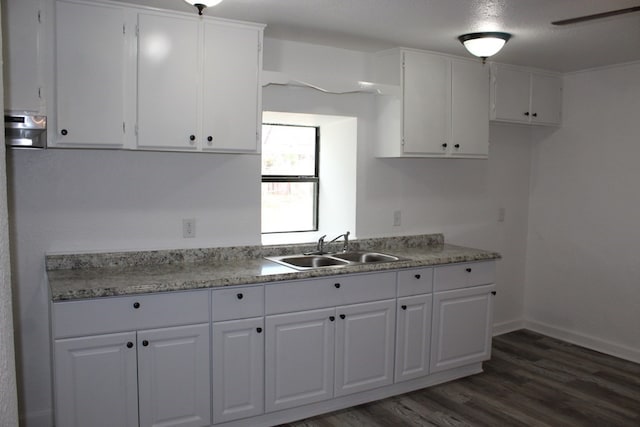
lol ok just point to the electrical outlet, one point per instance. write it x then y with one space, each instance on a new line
188 228
397 218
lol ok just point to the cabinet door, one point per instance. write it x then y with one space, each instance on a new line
364 346
299 351
174 376
90 74
510 94
546 99
96 382
469 109
168 82
427 103
22 33
413 337
462 326
231 87
238 369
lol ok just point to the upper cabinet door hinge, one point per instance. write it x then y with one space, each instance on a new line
39 17
137 30
259 47
124 29
124 129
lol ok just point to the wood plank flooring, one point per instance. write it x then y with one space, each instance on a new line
531 380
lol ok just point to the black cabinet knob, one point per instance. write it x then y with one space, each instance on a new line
240 296
535 114
444 145
64 132
259 330
493 292
417 276
145 343
342 316
192 138
136 305
526 114
129 344
468 270
337 285
209 138
332 318
457 146
404 307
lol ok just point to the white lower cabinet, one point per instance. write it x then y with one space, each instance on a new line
155 377
320 354
238 369
96 381
364 346
174 376
299 364
413 337
462 325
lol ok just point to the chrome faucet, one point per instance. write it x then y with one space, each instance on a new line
320 245
345 246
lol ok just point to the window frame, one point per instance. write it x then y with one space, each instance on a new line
299 179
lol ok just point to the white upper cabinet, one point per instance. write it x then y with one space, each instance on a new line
231 104
126 77
440 110
519 95
22 34
91 75
168 82
198 84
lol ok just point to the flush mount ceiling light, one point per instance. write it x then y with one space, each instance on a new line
201 4
484 45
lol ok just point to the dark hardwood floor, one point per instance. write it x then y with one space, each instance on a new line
531 380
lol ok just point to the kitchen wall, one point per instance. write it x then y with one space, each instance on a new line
8 396
583 252
82 200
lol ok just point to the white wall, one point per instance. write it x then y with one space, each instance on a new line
79 200
583 254
8 393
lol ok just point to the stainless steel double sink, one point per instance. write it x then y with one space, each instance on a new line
333 260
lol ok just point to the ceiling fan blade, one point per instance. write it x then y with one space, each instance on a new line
597 16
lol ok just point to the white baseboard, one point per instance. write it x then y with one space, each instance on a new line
506 327
584 340
37 419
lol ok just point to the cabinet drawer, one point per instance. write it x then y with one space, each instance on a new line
464 275
107 315
328 292
237 303
415 281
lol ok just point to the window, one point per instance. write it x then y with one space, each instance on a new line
290 181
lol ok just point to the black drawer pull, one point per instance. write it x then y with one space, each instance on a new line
417 276
136 305
145 343
342 316
64 132
259 330
468 270
332 318
493 292
240 296
129 344
404 307
337 285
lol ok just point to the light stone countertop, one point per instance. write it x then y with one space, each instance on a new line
80 276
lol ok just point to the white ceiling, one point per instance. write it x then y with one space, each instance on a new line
372 25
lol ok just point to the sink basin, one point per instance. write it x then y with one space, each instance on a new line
311 261
366 257
307 262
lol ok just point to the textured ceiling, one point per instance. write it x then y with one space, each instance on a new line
371 25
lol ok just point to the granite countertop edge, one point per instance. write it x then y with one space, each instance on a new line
79 281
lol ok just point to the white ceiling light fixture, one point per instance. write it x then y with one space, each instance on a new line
484 45
201 4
